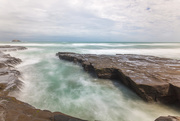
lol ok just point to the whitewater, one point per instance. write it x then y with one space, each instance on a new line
56 85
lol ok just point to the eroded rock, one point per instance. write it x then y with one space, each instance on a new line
152 78
9 77
12 109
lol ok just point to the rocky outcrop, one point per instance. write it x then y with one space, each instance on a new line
12 109
9 80
168 118
11 48
152 78
15 40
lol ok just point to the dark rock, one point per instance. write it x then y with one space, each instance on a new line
15 40
61 117
12 109
152 78
168 118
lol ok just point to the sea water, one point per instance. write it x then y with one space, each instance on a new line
56 85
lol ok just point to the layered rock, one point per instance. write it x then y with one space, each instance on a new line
12 109
9 80
11 48
152 78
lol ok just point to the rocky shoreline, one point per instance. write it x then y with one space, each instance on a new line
154 79
104 66
12 109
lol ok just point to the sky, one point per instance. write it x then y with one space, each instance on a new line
90 20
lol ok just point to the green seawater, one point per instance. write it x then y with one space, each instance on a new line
57 85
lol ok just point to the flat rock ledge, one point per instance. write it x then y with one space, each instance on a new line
154 79
12 109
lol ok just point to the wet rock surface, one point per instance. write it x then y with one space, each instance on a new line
168 118
152 78
9 80
12 109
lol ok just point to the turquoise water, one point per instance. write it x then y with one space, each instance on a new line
56 85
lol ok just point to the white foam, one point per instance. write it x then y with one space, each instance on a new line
159 44
168 53
32 44
125 44
101 44
29 62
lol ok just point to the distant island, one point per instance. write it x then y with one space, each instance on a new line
15 40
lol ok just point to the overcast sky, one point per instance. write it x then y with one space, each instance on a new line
90 20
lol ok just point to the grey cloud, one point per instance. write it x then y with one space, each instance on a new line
116 19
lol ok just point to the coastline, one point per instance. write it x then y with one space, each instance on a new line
12 109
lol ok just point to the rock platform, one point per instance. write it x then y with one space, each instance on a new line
154 79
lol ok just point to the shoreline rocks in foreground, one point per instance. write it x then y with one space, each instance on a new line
9 80
168 118
12 109
152 78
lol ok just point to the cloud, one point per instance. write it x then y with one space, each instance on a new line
138 20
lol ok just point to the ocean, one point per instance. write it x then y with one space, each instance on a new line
56 85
